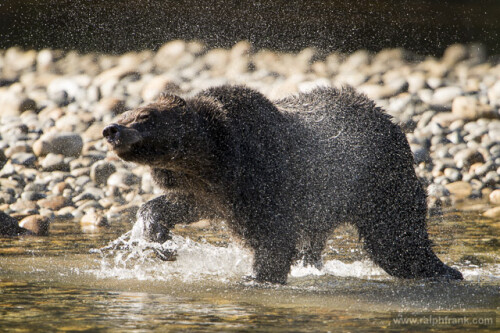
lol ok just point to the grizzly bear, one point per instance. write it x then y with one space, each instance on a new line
282 175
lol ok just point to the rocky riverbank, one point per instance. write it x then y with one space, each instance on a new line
54 164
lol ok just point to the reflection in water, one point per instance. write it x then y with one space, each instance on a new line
53 283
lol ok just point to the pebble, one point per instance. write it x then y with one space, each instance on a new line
492 213
67 144
101 171
37 224
495 197
53 162
459 190
92 220
26 159
467 157
55 202
443 97
123 178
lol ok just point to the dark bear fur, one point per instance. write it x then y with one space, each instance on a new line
283 175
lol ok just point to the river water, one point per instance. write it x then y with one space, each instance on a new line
57 283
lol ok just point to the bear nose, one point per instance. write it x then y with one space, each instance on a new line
110 131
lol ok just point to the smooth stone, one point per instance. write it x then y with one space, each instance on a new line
156 86
494 197
111 106
67 144
445 95
54 202
452 174
420 154
459 190
32 196
484 168
26 159
444 119
492 213
53 162
37 224
123 178
89 194
454 54
101 171
65 212
492 178
465 107
467 157
437 190
92 219
80 172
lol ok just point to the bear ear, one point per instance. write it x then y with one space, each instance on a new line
172 100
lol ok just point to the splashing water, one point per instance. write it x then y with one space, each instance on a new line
180 258
131 257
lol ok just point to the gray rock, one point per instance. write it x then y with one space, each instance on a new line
444 96
53 162
485 168
420 154
32 196
91 193
467 157
100 172
67 144
26 159
123 178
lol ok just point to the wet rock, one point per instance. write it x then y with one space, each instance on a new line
492 213
465 107
67 144
157 85
25 207
459 190
32 196
484 168
455 53
65 213
54 202
420 153
53 162
37 224
495 197
91 193
63 90
3 159
467 157
101 171
111 106
444 96
10 227
92 220
123 178
26 159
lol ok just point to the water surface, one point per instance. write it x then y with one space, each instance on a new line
54 284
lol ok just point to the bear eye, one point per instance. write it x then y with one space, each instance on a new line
143 116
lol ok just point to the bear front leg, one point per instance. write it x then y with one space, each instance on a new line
156 217
272 260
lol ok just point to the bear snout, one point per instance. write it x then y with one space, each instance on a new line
111 132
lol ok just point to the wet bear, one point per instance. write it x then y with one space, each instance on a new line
283 175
